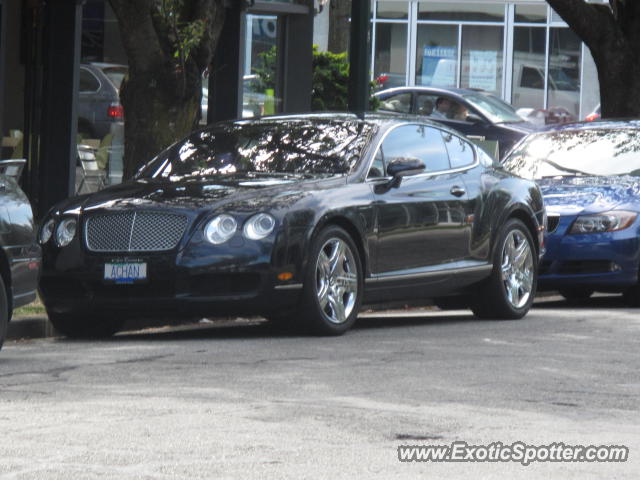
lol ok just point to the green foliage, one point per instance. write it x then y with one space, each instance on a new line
183 36
329 82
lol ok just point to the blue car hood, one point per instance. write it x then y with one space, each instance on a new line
584 195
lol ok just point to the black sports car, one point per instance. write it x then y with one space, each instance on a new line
300 219
20 256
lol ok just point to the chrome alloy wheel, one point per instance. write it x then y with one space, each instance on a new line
517 268
336 280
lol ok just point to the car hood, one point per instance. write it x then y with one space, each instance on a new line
252 192
522 128
577 195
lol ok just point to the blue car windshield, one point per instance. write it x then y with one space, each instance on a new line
268 146
590 151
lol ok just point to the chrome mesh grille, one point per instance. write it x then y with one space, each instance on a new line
134 231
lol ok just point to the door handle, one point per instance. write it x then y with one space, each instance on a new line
457 191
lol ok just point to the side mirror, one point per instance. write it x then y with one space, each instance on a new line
398 168
474 118
401 166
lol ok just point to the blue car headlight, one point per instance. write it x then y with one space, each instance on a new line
603 222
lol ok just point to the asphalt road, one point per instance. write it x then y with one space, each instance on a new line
234 400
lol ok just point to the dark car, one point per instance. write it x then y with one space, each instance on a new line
99 98
20 257
476 114
300 219
590 176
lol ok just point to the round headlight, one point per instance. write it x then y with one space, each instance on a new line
259 226
66 231
46 231
220 229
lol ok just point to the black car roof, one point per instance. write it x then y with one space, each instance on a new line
437 90
379 119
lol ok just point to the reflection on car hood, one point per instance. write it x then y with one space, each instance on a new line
206 193
576 195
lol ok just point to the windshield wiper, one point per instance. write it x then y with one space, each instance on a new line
567 169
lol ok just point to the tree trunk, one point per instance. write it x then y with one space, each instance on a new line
162 93
612 34
339 27
155 117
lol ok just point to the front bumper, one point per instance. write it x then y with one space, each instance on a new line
174 286
600 261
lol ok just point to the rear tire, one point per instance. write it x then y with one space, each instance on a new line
333 284
4 312
85 325
509 291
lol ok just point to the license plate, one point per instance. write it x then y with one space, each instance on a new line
126 272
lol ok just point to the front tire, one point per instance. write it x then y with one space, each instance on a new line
85 325
509 291
333 283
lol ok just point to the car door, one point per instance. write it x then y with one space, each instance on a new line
418 223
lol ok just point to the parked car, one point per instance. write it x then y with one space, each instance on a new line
589 175
483 117
99 98
300 219
20 253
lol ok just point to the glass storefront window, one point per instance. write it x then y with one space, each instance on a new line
531 14
258 96
103 66
392 10
482 58
564 70
390 55
437 55
453 11
528 67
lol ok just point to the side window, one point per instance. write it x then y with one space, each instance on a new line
88 82
425 104
460 151
531 78
397 103
377 168
417 141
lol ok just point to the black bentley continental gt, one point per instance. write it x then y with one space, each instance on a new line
300 219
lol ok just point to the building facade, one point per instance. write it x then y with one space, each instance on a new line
520 51
62 62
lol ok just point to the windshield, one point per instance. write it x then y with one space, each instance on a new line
115 74
579 152
494 109
270 147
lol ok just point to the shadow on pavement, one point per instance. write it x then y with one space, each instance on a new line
597 301
258 328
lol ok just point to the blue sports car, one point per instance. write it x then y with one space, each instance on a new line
590 178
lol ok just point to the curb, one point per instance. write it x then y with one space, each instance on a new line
30 326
